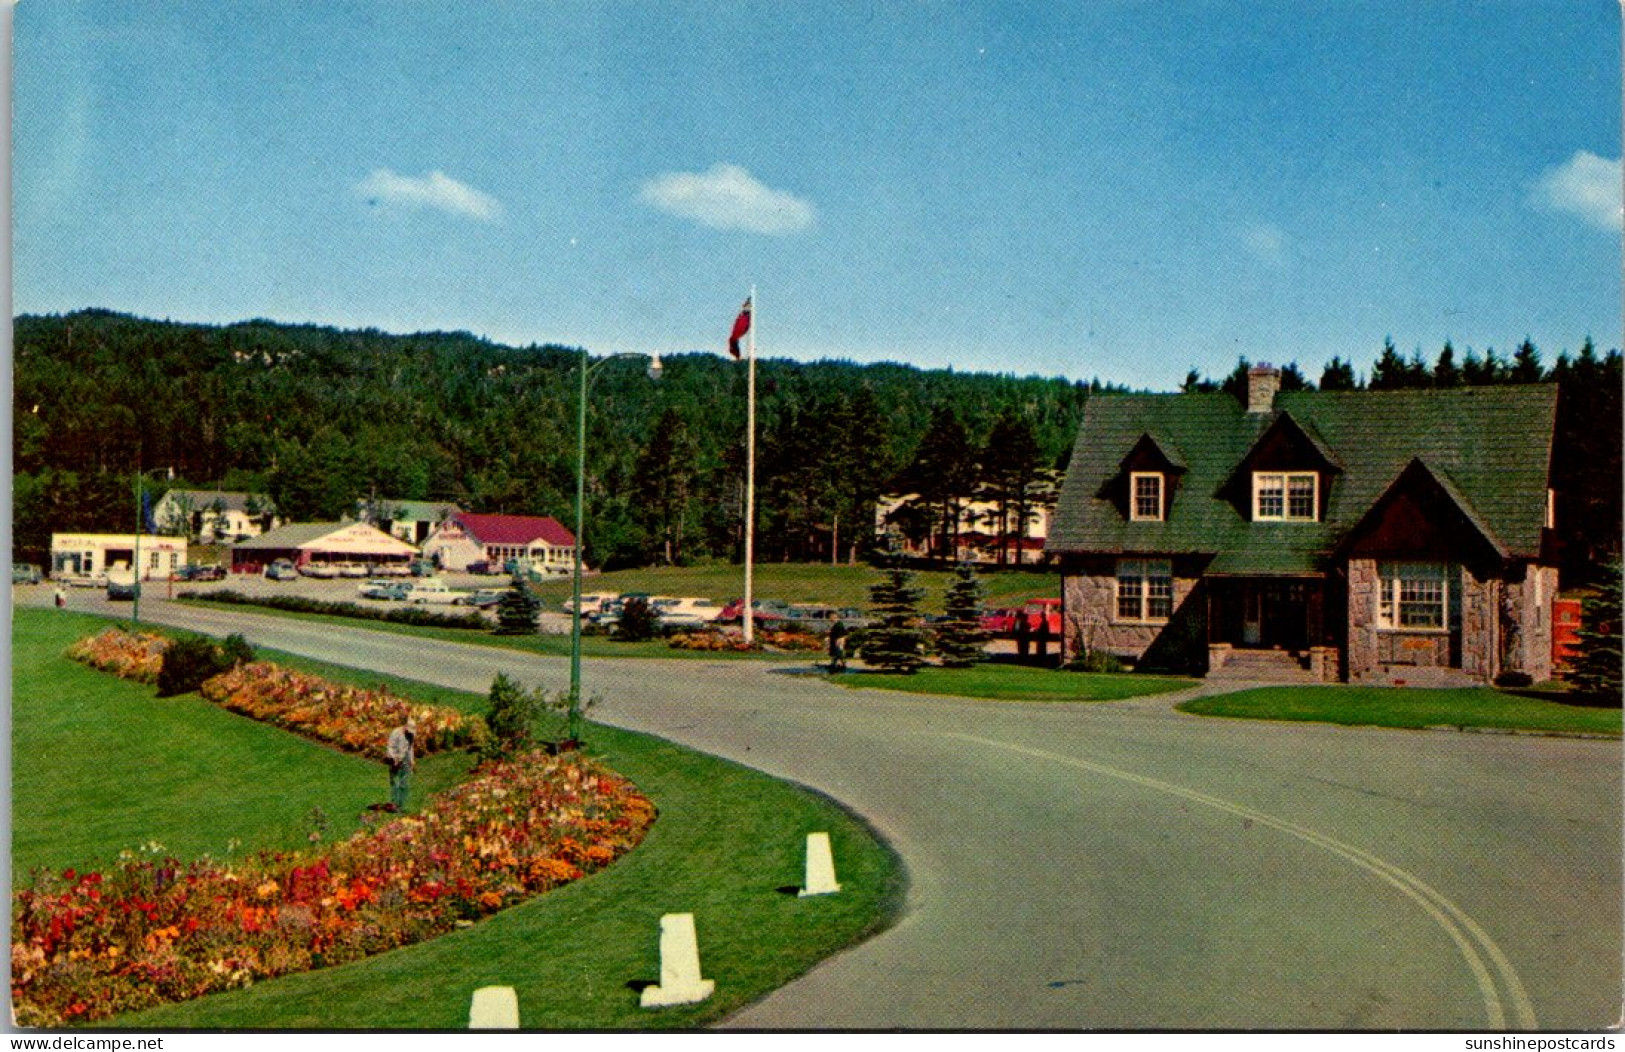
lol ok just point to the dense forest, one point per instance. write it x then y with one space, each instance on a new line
318 417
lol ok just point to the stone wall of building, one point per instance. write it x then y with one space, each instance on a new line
1528 605
1363 659
1090 599
1480 625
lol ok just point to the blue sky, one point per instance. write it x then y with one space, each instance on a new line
1112 189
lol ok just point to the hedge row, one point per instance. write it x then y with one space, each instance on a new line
408 615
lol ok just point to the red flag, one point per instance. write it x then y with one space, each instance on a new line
741 326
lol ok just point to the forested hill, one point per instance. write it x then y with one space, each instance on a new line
319 416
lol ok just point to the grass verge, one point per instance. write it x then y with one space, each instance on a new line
1408 707
727 841
1015 683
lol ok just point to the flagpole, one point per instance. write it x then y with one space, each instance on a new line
750 472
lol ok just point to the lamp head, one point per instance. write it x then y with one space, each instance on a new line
654 367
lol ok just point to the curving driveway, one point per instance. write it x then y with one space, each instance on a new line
1125 866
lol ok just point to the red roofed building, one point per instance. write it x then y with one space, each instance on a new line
539 543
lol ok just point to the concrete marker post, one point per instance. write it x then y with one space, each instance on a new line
680 982
820 867
494 1008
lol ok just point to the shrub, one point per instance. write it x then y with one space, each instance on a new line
638 621
187 663
299 605
238 651
512 718
518 609
1094 661
1595 668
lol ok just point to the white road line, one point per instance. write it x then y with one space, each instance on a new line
1468 936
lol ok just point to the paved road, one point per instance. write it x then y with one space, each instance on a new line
1127 866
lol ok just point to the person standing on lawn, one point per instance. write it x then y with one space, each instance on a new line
837 647
402 758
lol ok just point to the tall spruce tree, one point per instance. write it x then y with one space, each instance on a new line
1596 667
517 609
959 638
1445 371
1338 376
896 641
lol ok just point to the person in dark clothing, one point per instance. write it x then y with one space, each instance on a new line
1022 637
837 647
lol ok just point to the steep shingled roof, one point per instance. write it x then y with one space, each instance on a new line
517 529
1492 445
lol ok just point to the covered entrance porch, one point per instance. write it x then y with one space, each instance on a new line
1254 621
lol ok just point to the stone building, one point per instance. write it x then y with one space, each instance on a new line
1371 536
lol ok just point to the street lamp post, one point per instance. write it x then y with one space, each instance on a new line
588 368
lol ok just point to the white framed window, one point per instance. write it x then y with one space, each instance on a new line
1145 590
1551 509
1286 496
1146 505
1414 596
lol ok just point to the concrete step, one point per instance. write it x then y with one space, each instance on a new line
1272 666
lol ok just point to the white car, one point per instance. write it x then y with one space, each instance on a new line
590 604
689 612
319 570
432 590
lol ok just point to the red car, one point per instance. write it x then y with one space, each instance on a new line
1002 621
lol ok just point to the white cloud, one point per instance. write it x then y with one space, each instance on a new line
435 190
729 198
1587 186
1265 241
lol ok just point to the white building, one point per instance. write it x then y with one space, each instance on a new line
538 543
214 515
87 556
410 520
978 534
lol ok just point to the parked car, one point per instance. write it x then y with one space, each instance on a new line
432 590
820 619
200 572
590 604
121 584
352 570
1002 622
685 612
761 609
482 566
485 598
377 588
391 570
26 573
321 571
88 580
281 570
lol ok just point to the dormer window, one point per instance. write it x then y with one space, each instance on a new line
1146 505
1286 496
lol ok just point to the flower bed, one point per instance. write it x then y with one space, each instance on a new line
767 638
154 930
355 719
128 655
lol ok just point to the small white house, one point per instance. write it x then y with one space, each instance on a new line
539 543
214 515
86 556
410 520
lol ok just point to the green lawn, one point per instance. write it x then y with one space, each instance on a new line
1016 683
1407 707
727 840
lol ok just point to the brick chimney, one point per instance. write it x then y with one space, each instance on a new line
1263 381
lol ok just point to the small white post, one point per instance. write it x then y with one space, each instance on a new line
820 867
494 1008
680 982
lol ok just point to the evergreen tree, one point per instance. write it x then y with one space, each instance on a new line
945 473
1010 463
512 716
895 642
1526 367
959 637
1292 378
1338 376
1474 371
663 482
517 609
1595 668
1390 372
1445 371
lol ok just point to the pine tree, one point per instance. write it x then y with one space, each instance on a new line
517 610
1445 371
1338 376
959 637
1526 367
895 642
1595 669
1390 370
